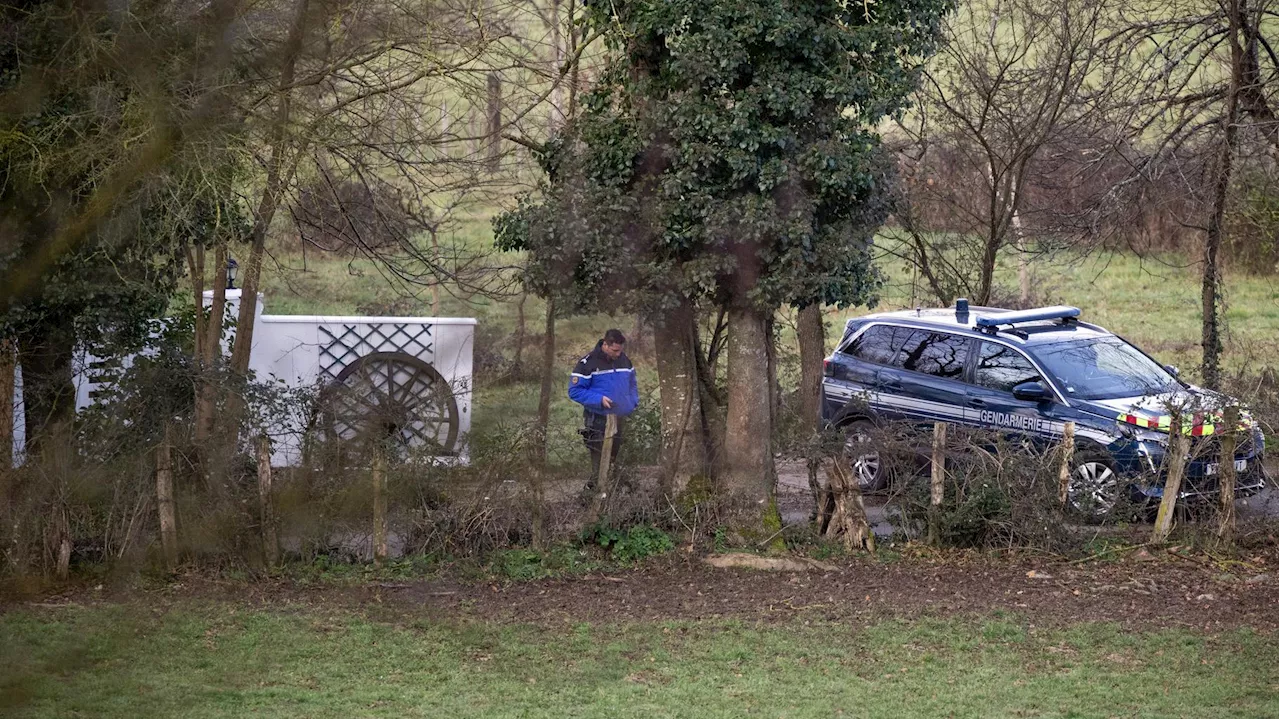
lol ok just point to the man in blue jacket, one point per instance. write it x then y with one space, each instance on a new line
604 383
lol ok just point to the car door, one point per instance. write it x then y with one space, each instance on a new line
997 369
854 380
926 383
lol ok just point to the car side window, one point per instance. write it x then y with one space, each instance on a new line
1002 368
935 353
876 344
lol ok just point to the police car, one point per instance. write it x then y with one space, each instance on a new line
1026 373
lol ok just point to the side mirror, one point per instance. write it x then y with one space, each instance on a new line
1171 370
1032 392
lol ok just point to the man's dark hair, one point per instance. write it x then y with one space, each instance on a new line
614 337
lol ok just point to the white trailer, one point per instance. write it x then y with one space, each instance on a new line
408 378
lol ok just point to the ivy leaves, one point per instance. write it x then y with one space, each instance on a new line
729 150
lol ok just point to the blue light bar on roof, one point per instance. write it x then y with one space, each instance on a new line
1058 312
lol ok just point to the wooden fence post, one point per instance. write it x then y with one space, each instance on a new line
379 506
936 479
1064 469
270 544
1175 466
1227 474
164 499
604 488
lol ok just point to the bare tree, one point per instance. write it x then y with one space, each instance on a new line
348 97
1201 85
1012 78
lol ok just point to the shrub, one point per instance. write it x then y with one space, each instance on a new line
631 545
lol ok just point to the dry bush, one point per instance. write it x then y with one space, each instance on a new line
999 493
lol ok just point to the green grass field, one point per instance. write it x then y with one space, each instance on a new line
223 660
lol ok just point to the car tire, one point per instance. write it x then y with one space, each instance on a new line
863 457
1094 487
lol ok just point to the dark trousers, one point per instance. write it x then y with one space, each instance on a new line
593 436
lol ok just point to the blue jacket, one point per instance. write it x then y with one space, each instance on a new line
596 377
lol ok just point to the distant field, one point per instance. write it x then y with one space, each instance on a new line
1152 301
200 659
1155 302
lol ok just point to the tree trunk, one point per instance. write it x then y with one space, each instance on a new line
557 59
709 397
683 442
548 379
635 338
266 504
987 271
435 283
209 347
279 174
8 515
379 475
517 363
494 116
1024 263
62 565
48 390
572 110
8 363
1175 467
812 339
1211 283
1227 475
749 475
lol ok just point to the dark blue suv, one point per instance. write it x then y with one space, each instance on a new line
1026 373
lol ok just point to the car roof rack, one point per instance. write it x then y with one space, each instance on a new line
1068 315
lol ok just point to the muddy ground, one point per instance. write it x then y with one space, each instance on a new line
1140 590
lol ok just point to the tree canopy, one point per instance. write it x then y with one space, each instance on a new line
729 149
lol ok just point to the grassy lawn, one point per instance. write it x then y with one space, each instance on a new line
218 660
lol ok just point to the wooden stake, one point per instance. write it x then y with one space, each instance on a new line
270 544
1064 469
379 507
1176 465
1227 475
604 487
164 499
937 478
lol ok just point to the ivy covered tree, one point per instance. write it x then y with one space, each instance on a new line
728 153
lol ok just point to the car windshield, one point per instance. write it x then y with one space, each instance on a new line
1104 369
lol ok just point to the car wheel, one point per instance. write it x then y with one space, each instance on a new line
1094 485
864 459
